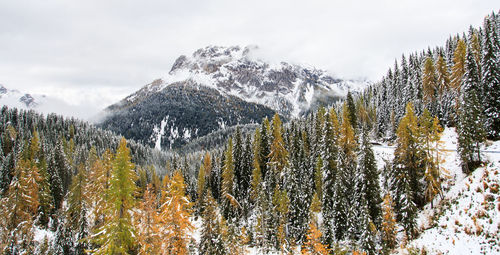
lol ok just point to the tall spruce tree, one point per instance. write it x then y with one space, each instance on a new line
471 131
230 204
327 178
211 242
367 166
470 126
352 110
491 75
345 180
77 211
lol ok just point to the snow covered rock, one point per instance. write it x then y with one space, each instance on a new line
253 88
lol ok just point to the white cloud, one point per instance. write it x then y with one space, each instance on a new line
73 49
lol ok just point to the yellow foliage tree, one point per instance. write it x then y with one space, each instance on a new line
148 224
98 183
174 216
313 245
458 69
20 206
388 222
429 80
117 235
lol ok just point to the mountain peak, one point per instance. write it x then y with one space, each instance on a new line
15 98
209 58
217 87
287 88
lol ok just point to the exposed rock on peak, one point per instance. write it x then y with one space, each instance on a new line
226 73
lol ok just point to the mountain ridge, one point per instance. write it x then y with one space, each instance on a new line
234 74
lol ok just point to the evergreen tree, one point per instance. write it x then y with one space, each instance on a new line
491 75
470 126
471 79
203 175
352 110
63 169
247 175
230 204
297 189
264 147
117 236
238 165
211 234
45 195
325 174
77 211
344 221
55 182
63 242
6 173
471 131
367 166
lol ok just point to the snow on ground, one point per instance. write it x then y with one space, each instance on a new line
467 220
41 234
383 154
196 232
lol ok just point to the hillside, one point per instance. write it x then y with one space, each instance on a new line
179 113
466 220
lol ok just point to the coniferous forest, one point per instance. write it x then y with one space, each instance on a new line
311 185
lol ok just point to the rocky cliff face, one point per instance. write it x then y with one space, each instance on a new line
222 74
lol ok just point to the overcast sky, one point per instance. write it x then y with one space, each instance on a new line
95 52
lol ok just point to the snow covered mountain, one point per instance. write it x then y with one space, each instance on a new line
15 98
229 74
289 89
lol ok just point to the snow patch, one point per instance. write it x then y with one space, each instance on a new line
159 132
